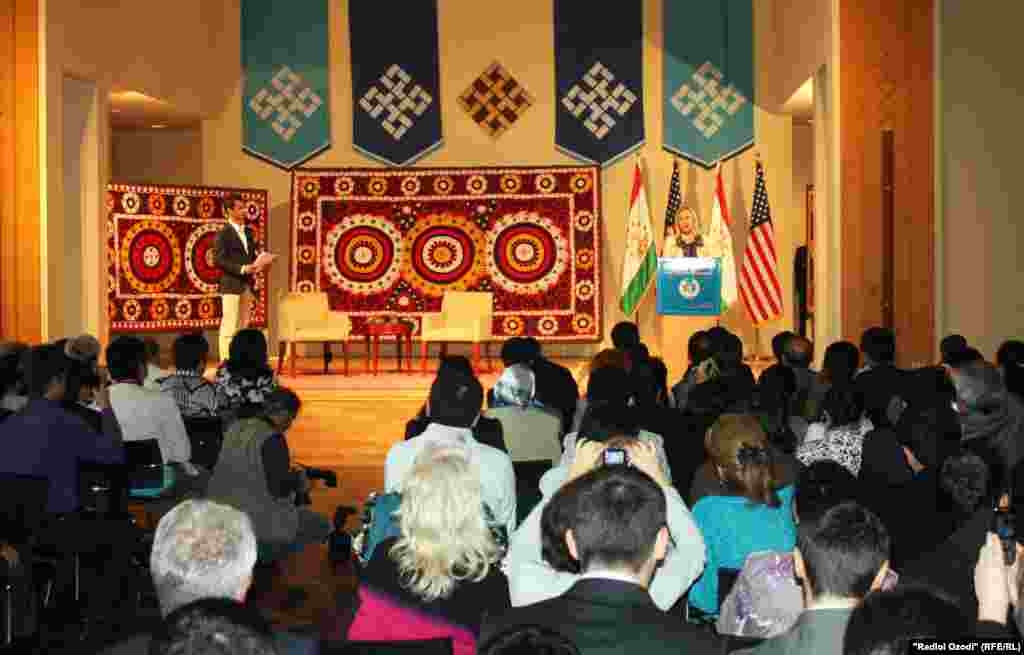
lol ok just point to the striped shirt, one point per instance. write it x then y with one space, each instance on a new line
195 396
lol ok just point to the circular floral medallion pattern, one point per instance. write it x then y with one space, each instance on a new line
200 258
131 310
476 185
378 186
207 205
253 211
511 183
159 310
584 290
305 286
150 257
585 259
411 185
584 221
513 326
307 221
581 183
157 204
546 183
307 254
363 254
183 309
443 185
207 308
130 202
527 253
583 324
344 186
309 187
445 254
181 205
547 325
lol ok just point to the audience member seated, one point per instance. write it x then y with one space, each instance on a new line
619 528
486 430
530 431
647 381
838 369
254 474
153 371
840 436
698 350
1010 359
556 386
731 389
752 513
441 576
534 575
951 346
453 408
13 393
776 389
626 337
879 380
214 626
83 380
887 621
529 640
839 558
195 396
608 358
142 413
779 344
246 378
998 588
766 600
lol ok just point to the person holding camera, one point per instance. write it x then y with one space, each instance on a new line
609 438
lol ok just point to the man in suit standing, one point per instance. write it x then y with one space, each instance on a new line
617 535
235 254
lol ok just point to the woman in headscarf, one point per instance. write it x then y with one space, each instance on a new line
531 432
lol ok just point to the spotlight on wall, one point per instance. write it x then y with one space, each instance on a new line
158 126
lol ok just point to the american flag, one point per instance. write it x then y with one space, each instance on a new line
759 277
674 202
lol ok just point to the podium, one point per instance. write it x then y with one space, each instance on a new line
689 286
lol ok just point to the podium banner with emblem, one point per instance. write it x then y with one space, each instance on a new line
689 286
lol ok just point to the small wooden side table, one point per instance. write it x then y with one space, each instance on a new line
400 330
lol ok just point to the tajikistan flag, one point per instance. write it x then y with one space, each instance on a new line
641 261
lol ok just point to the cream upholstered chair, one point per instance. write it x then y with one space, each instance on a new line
465 317
306 318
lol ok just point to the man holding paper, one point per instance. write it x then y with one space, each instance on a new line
235 254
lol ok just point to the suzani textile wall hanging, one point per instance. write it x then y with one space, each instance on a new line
393 241
161 275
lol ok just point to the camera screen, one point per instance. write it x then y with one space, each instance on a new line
614 456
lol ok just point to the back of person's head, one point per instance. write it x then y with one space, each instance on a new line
529 640
775 387
609 384
843 405
281 406
823 485
888 621
516 351
625 335
738 448
516 387
45 366
608 358
951 345
444 538
648 381
841 361
12 367
190 352
699 347
965 477
729 354
842 552
535 349
459 363
979 388
152 350
1010 358
455 399
213 626
963 357
202 549
556 518
248 352
717 334
799 352
84 349
126 357
879 345
619 511
603 421
779 343
928 430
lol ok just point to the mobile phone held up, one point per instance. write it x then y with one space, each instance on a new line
1004 524
615 457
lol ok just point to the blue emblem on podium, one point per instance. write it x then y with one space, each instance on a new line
689 286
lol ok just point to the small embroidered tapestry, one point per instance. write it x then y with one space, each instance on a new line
161 273
599 109
393 241
495 100
396 112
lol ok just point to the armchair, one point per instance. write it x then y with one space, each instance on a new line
465 317
306 318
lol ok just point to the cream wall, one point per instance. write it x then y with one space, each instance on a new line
167 156
524 44
981 102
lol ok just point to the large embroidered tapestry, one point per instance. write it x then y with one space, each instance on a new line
160 260
393 241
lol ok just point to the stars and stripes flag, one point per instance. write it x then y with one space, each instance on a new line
759 277
641 259
675 201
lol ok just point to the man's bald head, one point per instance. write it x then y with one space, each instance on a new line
799 352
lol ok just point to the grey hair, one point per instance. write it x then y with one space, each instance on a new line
202 549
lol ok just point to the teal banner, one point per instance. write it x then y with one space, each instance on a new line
285 111
709 79
689 286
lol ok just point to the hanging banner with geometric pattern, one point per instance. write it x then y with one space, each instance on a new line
599 110
396 108
285 111
709 79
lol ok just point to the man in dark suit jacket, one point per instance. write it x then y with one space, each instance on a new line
879 380
618 536
235 253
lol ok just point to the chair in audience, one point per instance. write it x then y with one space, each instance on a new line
145 465
206 436
22 509
411 647
307 318
466 317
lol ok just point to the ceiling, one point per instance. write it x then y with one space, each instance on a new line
801 104
134 110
